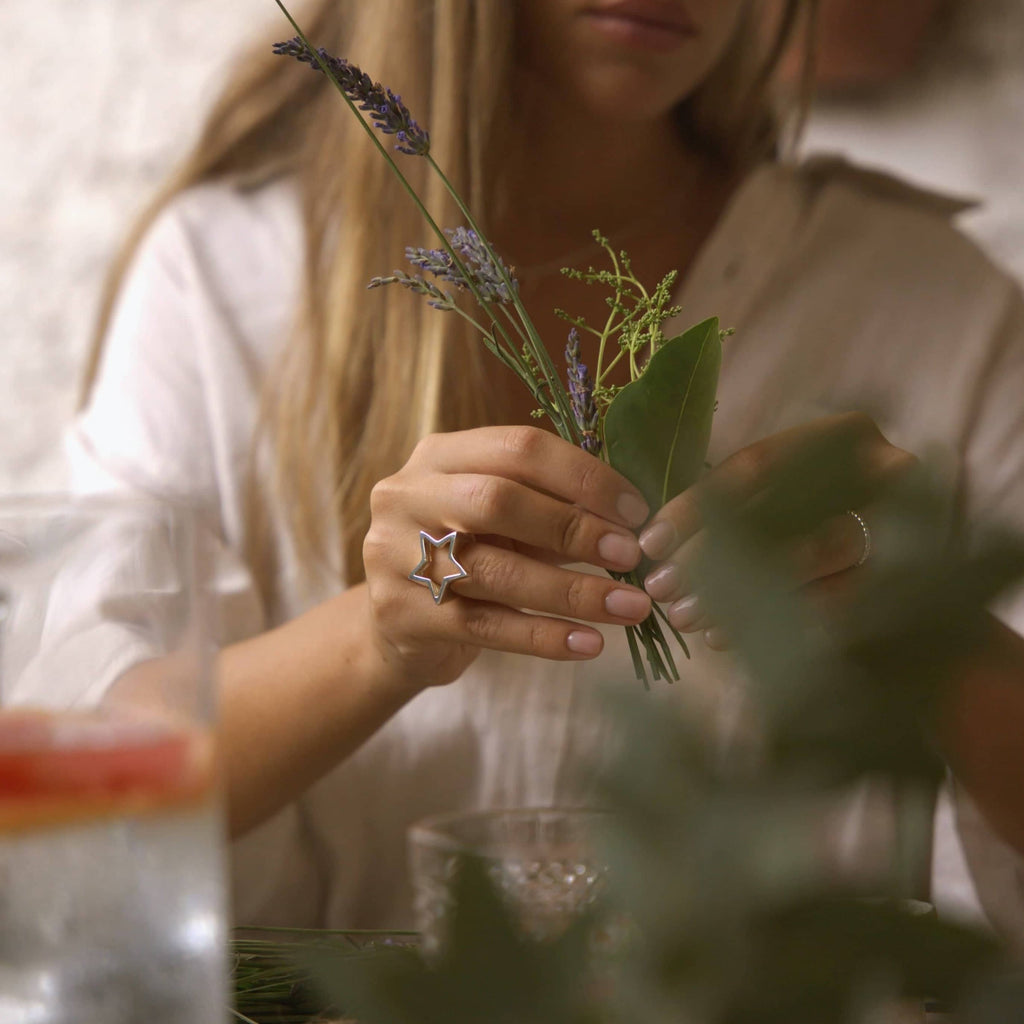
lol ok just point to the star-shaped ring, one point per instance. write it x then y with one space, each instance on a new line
420 574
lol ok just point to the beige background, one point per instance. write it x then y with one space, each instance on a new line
956 124
100 96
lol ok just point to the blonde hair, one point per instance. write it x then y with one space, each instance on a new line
361 379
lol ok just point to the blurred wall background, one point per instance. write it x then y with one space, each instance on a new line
935 93
99 98
101 95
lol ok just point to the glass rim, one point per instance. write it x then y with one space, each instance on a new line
435 830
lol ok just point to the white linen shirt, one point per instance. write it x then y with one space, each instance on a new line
847 291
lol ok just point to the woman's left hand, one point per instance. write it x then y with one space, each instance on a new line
823 560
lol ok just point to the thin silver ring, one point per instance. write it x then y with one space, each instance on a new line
867 538
428 547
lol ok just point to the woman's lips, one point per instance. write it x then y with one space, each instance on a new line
644 24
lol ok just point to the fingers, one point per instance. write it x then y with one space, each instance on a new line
840 543
739 477
495 505
541 461
418 630
672 539
496 627
822 559
747 472
670 580
533 501
499 507
505 577
837 545
485 610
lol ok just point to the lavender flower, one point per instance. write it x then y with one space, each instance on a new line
483 272
418 284
581 395
389 114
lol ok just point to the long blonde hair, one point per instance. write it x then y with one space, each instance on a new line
360 380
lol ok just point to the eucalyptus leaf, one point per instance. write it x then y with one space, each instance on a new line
657 428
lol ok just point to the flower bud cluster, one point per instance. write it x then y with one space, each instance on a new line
486 275
389 114
581 395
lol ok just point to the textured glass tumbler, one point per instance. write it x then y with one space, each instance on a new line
112 882
543 861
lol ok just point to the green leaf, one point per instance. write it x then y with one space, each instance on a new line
657 428
488 972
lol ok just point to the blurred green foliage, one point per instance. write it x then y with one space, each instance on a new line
719 857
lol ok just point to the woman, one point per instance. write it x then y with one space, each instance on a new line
319 427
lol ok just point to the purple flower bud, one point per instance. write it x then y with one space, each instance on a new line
416 283
388 113
480 270
581 395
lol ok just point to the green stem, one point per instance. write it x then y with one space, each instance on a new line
680 639
404 181
516 324
241 1016
609 328
612 364
638 662
540 351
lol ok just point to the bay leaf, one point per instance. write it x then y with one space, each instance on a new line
657 428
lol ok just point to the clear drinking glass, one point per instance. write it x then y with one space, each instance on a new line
112 880
543 861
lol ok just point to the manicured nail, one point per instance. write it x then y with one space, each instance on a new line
619 549
663 583
581 641
627 604
633 509
685 613
659 539
715 638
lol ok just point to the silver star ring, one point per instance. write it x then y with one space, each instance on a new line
429 546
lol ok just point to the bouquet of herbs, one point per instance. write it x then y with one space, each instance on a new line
654 429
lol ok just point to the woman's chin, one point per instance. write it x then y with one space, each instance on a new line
626 96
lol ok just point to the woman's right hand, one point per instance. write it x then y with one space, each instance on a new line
531 503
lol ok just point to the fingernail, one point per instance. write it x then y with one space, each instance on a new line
627 604
716 639
581 641
659 539
619 549
633 509
663 583
685 612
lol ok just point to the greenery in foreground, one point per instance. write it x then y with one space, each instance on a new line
717 858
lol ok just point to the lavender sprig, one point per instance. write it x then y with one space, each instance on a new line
581 396
390 115
467 260
543 379
476 263
436 298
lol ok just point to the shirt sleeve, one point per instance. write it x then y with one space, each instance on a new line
147 432
994 458
144 427
994 467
